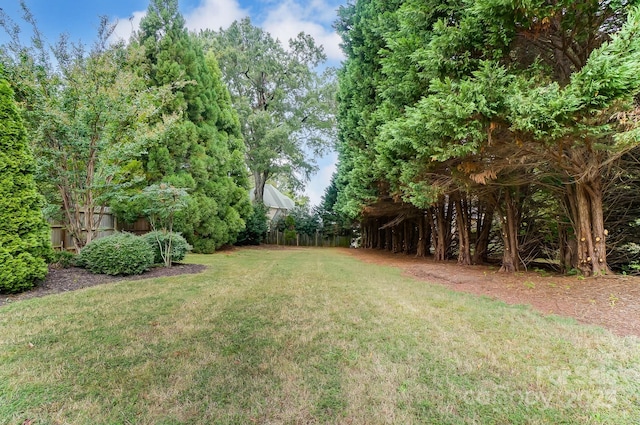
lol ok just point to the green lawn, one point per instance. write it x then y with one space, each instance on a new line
299 337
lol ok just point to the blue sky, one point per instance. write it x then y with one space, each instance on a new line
284 19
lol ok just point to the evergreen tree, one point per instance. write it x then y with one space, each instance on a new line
439 98
24 233
203 152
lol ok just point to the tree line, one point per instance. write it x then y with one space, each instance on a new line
196 113
486 128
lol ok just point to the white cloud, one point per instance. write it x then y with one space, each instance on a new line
289 18
125 27
211 14
284 20
214 14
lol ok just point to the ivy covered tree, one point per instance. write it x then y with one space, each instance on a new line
286 108
24 235
203 152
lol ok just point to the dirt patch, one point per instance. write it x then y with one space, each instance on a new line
612 302
73 278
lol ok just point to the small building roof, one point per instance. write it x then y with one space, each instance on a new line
273 198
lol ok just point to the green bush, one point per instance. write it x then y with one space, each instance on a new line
179 245
20 272
256 227
119 254
24 233
63 259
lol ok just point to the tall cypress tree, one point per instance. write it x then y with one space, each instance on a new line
204 151
24 233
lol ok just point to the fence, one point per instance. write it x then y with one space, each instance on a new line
277 238
61 238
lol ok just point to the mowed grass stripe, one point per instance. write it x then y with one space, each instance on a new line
304 336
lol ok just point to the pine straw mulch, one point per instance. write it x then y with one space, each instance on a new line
612 302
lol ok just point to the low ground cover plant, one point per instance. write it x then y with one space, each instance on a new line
63 259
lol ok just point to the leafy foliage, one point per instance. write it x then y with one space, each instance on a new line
285 107
256 228
489 99
90 117
118 254
161 203
165 244
24 233
63 259
203 152
305 221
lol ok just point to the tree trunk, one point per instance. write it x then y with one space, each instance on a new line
463 225
509 211
260 179
388 242
407 243
397 236
421 249
586 198
568 249
441 216
381 235
484 223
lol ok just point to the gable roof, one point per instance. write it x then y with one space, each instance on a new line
273 198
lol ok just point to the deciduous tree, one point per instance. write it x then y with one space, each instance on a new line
286 108
89 116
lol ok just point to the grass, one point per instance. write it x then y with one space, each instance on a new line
304 336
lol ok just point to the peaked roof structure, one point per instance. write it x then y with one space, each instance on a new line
273 198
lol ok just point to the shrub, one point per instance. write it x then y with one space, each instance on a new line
63 259
256 227
119 254
24 233
159 242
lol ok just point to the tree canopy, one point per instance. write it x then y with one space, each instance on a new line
203 151
458 111
89 116
285 107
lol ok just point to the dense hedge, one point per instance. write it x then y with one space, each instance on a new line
25 242
179 245
117 254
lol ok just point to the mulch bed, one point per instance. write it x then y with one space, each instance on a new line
612 302
63 280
